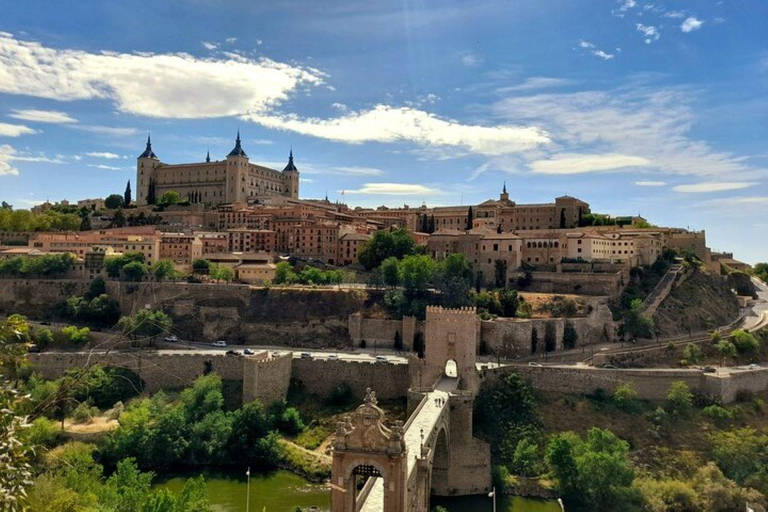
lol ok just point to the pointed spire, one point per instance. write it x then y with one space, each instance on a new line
291 166
504 190
238 150
208 156
148 153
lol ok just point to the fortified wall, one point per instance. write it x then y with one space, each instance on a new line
598 284
650 384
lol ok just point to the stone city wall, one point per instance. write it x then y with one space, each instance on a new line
157 371
649 384
381 333
320 377
267 379
599 284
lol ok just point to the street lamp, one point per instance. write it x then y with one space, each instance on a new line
492 494
560 502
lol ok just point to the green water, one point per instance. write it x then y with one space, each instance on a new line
282 491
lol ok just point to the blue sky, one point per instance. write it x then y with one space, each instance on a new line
657 108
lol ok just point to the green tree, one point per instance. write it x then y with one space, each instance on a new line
383 244
636 323
201 266
726 349
625 397
470 218
221 273
390 271
135 271
114 201
145 323
163 269
453 277
85 224
526 459
417 272
76 336
284 273
745 342
679 399
127 194
169 198
500 273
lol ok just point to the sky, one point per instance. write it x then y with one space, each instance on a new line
652 108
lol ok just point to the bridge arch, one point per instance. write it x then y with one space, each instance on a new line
441 463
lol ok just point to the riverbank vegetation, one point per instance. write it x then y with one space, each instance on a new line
613 451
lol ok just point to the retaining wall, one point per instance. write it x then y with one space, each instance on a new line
320 377
601 284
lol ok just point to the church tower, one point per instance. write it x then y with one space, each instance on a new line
237 171
146 163
291 178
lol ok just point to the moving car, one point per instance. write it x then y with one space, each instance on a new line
306 355
275 354
248 352
172 339
709 369
534 363
220 343
381 359
333 357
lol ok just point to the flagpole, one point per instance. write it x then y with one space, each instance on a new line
248 490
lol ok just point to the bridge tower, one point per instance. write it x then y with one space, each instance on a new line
451 339
364 447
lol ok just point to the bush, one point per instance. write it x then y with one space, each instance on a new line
312 437
717 414
692 353
526 459
84 413
679 399
76 336
42 432
745 342
625 397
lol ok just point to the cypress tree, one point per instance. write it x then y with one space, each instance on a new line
127 195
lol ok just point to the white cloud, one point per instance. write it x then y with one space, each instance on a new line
390 124
674 14
471 60
103 154
639 120
650 33
156 85
390 189
713 186
209 46
568 163
231 40
648 183
112 131
691 24
262 142
9 154
43 116
534 83
591 48
106 167
357 171
15 130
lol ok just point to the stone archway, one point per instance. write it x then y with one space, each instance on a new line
364 447
441 464
451 369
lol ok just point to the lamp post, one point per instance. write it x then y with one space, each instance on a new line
248 490
492 495
560 502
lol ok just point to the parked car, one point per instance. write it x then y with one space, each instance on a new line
754 366
382 359
220 343
333 357
171 339
275 354
232 353
306 355
248 352
709 369
534 363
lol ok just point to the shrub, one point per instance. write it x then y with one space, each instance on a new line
42 432
76 336
84 413
526 459
745 342
692 353
312 437
679 399
625 397
717 414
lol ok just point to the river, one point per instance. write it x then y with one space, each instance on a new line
283 491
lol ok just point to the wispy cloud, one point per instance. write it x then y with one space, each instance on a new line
392 189
43 116
389 124
174 85
112 131
650 183
591 48
471 60
15 130
105 167
535 83
650 33
568 163
9 154
209 45
713 186
691 24
103 154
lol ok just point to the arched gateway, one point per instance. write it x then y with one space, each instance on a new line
380 469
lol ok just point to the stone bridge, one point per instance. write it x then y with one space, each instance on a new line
397 468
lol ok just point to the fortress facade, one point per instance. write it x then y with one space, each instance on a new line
234 180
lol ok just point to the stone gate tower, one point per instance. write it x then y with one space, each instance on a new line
451 335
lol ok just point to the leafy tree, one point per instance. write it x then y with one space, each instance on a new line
114 265
202 266
679 399
76 336
85 224
390 271
127 194
470 218
284 273
163 269
114 201
135 271
745 342
97 287
726 349
636 323
625 397
453 278
500 273
145 323
526 459
761 271
169 198
383 244
417 271
221 273
311 275
15 453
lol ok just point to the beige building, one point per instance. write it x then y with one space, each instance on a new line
234 180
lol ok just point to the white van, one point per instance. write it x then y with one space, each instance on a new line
220 343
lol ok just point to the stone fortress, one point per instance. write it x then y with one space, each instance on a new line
233 180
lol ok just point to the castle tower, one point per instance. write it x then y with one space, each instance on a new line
146 163
237 170
504 196
291 178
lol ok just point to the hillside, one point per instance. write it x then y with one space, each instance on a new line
702 302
